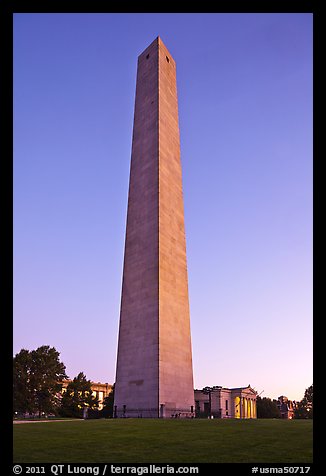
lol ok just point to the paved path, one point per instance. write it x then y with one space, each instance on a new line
18 422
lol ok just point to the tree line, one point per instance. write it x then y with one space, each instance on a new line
267 408
38 377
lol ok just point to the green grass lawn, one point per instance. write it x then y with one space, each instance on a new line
164 441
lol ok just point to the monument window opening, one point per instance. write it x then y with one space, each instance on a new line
167 59
147 56
226 404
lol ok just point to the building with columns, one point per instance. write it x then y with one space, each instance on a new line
221 402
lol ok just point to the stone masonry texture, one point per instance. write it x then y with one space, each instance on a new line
154 364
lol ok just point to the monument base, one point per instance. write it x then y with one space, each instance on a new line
161 412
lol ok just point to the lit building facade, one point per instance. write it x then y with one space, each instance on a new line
221 402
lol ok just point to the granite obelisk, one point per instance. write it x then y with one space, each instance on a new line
154 376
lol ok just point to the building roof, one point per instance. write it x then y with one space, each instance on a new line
239 389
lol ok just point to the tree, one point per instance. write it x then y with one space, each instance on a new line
304 408
22 395
107 410
267 408
46 376
77 396
37 379
308 401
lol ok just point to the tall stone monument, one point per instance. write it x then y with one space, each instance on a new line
154 365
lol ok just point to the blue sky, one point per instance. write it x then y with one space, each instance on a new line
245 112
